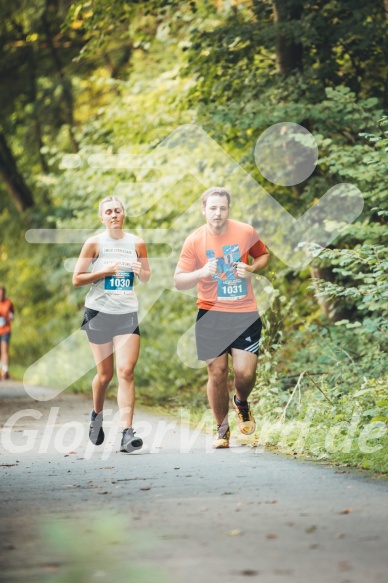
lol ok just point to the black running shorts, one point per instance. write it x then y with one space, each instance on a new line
219 332
101 328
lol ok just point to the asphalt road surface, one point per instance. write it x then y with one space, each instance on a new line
177 511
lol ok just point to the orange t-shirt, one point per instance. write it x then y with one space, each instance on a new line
225 291
6 308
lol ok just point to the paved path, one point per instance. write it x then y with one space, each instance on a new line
176 512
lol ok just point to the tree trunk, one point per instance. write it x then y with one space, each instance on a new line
385 3
65 83
115 65
289 52
289 58
33 98
330 308
13 180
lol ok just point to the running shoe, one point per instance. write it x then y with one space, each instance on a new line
246 422
5 376
96 432
129 442
221 439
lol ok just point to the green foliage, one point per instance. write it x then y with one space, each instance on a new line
119 77
331 426
343 398
366 268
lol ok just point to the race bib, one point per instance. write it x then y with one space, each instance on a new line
229 286
232 289
122 282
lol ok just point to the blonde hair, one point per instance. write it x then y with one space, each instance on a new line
109 199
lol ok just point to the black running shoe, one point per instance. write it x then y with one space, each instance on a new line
96 432
129 442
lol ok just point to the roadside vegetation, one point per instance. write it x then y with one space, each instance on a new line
79 79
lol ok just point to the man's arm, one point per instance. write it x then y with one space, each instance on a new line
244 271
189 279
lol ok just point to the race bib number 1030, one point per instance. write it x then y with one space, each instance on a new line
121 282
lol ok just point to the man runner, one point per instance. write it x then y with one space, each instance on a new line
6 316
216 257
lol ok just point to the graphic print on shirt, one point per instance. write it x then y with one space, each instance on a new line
229 286
122 281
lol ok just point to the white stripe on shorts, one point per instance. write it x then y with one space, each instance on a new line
252 347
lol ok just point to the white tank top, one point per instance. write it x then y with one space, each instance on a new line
114 294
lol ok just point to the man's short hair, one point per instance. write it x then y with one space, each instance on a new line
214 191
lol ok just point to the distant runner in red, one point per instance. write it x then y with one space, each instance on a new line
6 315
216 258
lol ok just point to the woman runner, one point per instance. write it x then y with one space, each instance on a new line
110 318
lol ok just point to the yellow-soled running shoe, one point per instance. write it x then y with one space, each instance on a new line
221 439
246 422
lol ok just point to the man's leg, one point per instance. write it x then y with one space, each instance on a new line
244 367
4 359
217 388
218 395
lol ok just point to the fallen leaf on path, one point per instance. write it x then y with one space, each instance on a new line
339 535
311 529
346 511
344 566
8 465
249 572
271 536
235 532
144 489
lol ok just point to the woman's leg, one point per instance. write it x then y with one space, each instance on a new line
127 349
103 356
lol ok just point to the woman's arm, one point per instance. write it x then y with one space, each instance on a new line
141 267
88 253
